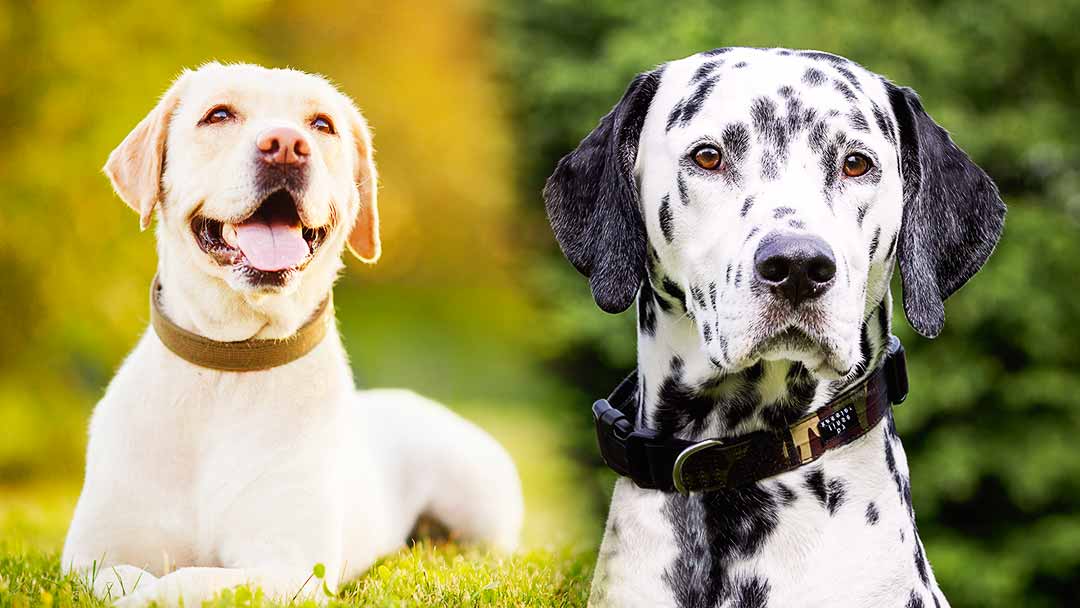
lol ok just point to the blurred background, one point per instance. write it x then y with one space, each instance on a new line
472 103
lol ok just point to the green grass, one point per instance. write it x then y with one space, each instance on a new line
553 568
423 575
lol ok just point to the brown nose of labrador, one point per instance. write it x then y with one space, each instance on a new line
283 146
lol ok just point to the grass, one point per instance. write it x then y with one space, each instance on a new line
553 569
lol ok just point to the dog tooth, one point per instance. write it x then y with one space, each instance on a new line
228 233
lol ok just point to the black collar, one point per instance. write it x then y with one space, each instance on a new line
670 464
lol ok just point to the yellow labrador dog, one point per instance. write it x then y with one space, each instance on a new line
204 473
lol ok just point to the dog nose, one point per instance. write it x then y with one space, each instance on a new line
283 146
795 267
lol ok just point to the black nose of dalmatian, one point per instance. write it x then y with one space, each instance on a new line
796 267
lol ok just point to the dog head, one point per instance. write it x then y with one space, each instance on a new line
771 191
259 177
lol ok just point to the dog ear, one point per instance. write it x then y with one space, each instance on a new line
953 214
135 167
592 201
364 240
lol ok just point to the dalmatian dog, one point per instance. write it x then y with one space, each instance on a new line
755 202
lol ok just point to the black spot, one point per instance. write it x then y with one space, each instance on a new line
884 123
814 77
883 321
738 276
699 296
844 89
920 562
828 161
860 215
715 52
727 274
746 206
770 168
693 104
741 64
801 388
712 293
740 406
646 310
914 601
736 140
795 118
713 530
684 193
673 291
674 116
780 212
903 486
666 219
705 69
837 491
865 352
768 125
754 372
706 332
849 75
815 482
858 120
752 234
875 243
679 405
797 224
872 515
819 133
751 593
785 91
787 495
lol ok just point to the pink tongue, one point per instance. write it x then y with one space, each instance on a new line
273 245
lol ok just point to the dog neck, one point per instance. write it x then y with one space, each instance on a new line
684 394
209 307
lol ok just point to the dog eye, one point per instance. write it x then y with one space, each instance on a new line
856 165
323 123
217 114
707 157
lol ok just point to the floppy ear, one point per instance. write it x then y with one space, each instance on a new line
136 165
592 201
953 214
364 236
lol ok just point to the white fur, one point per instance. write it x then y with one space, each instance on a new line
198 480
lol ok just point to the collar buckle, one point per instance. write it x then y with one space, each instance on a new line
681 484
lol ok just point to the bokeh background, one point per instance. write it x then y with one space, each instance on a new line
472 103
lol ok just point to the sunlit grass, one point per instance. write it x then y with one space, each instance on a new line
553 568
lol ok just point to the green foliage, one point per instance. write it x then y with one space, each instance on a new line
991 426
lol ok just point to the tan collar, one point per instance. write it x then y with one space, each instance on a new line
244 355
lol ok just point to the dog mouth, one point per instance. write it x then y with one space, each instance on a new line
820 354
268 246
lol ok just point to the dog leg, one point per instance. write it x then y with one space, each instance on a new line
193 586
110 583
457 474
